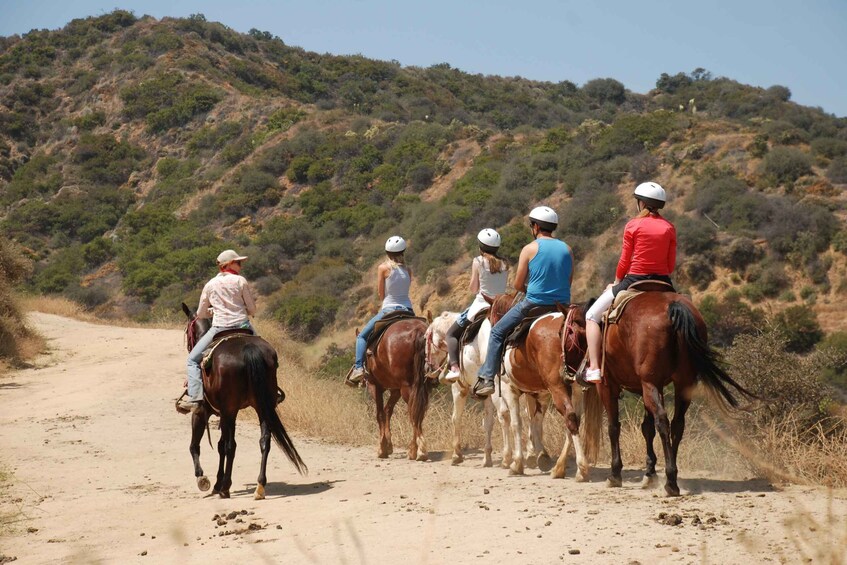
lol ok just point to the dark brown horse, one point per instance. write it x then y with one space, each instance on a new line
243 373
399 366
554 345
660 339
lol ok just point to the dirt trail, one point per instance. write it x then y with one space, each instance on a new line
100 471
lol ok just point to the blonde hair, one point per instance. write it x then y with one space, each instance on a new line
648 212
495 264
395 259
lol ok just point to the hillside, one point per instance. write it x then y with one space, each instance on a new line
133 149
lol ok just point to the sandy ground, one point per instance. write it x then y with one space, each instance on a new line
100 472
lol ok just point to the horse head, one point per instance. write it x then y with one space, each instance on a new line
195 327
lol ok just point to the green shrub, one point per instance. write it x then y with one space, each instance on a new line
837 170
167 101
105 160
740 253
697 271
800 326
729 317
632 133
829 147
758 147
786 164
603 90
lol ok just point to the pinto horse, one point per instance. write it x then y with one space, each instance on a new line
554 344
243 374
398 365
473 354
660 339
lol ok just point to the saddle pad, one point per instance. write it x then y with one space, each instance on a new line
219 339
519 333
473 328
619 304
385 322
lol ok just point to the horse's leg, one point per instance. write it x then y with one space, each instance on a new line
230 452
487 426
609 394
532 447
681 403
460 398
561 400
654 401
648 430
376 393
512 399
393 397
536 427
412 453
198 425
265 448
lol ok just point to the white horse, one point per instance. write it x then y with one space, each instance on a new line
473 355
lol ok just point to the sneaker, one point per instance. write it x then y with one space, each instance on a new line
593 376
187 405
453 375
355 376
483 387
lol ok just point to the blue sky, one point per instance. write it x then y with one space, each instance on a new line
798 44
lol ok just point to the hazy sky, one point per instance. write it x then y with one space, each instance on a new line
801 44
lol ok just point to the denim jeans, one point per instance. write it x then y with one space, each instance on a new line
195 377
499 333
362 338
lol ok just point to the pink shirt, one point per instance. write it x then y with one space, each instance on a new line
228 297
649 247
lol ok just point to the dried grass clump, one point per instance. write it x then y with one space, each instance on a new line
17 342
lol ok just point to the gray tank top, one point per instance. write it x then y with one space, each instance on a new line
397 285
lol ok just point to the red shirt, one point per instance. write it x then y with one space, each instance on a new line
649 247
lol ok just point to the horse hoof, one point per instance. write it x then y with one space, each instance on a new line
203 483
557 473
224 494
457 459
515 469
487 462
382 454
649 481
581 477
422 457
672 490
260 493
614 482
531 461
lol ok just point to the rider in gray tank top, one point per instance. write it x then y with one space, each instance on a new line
397 285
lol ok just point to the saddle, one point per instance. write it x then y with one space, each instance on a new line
519 333
220 337
624 297
473 328
384 323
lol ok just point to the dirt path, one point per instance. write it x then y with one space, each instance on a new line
100 471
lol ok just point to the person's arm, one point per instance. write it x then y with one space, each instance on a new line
626 254
672 251
527 253
204 310
381 274
474 286
573 263
247 296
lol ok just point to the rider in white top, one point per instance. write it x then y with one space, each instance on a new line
489 275
393 282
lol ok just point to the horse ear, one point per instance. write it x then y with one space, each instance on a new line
428 317
187 310
489 299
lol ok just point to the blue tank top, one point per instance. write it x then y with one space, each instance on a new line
550 273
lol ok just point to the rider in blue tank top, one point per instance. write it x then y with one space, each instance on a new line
550 273
545 273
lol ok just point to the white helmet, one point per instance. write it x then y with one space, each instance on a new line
544 214
395 244
651 193
489 237
229 256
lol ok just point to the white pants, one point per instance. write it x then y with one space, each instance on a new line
595 313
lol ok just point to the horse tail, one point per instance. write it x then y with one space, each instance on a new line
704 358
259 374
419 398
592 423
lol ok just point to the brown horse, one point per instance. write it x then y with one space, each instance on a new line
554 346
243 374
399 366
660 339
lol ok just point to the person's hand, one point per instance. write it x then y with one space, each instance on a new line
610 285
185 382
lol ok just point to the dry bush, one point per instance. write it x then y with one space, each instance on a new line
15 338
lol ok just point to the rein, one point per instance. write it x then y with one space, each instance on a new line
191 333
432 368
569 335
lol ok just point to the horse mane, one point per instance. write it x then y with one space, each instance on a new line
502 303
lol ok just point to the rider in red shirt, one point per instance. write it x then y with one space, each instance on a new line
649 253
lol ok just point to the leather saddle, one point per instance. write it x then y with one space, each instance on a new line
473 328
518 334
385 323
221 337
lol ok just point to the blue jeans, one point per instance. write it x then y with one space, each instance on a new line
362 338
195 376
499 333
462 319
